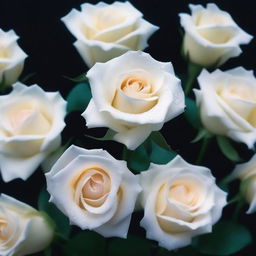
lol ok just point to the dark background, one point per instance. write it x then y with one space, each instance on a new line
52 56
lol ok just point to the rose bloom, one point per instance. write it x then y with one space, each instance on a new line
30 127
227 102
94 190
180 201
12 58
23 230
246 172
133 95
211 35
104 31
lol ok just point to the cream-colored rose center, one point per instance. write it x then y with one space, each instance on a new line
177 201
4 56
4 232
136 87
217 35
238 91
4 52
182 191
135 95
28 120
91 188
214 27
206 18
109 17
184 194
8 232
19 117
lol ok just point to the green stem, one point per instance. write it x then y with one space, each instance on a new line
48 251
238 209
226 180
125 154
193 72
203 149
148 145
235 199
4 87
59 239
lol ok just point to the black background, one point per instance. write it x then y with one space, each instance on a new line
52 56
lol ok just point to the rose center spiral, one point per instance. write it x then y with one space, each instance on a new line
183 194
239 92
136 87
135 94
92 188
4 234
26 119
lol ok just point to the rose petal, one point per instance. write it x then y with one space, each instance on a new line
12 168
167 219
139 36
96 51
60 185
21 207
119 229
26 222
197 43
12 65
217 112
134 136
95 118
150 224
158 114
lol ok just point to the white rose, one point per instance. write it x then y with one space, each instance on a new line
133 95
246 172
12 58
211 35
227 102
180 201
104 31
30 127
23 230
94 190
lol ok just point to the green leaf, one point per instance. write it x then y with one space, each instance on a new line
244 185
187 251
108 136
79 79
3 86
25 79
159 139
132 246
227 149
138 159
161 156
79 97
192 73
86 243
155 149
61 222
226 238
202 133
192 113
48 251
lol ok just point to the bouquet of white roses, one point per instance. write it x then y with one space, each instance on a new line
135 156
